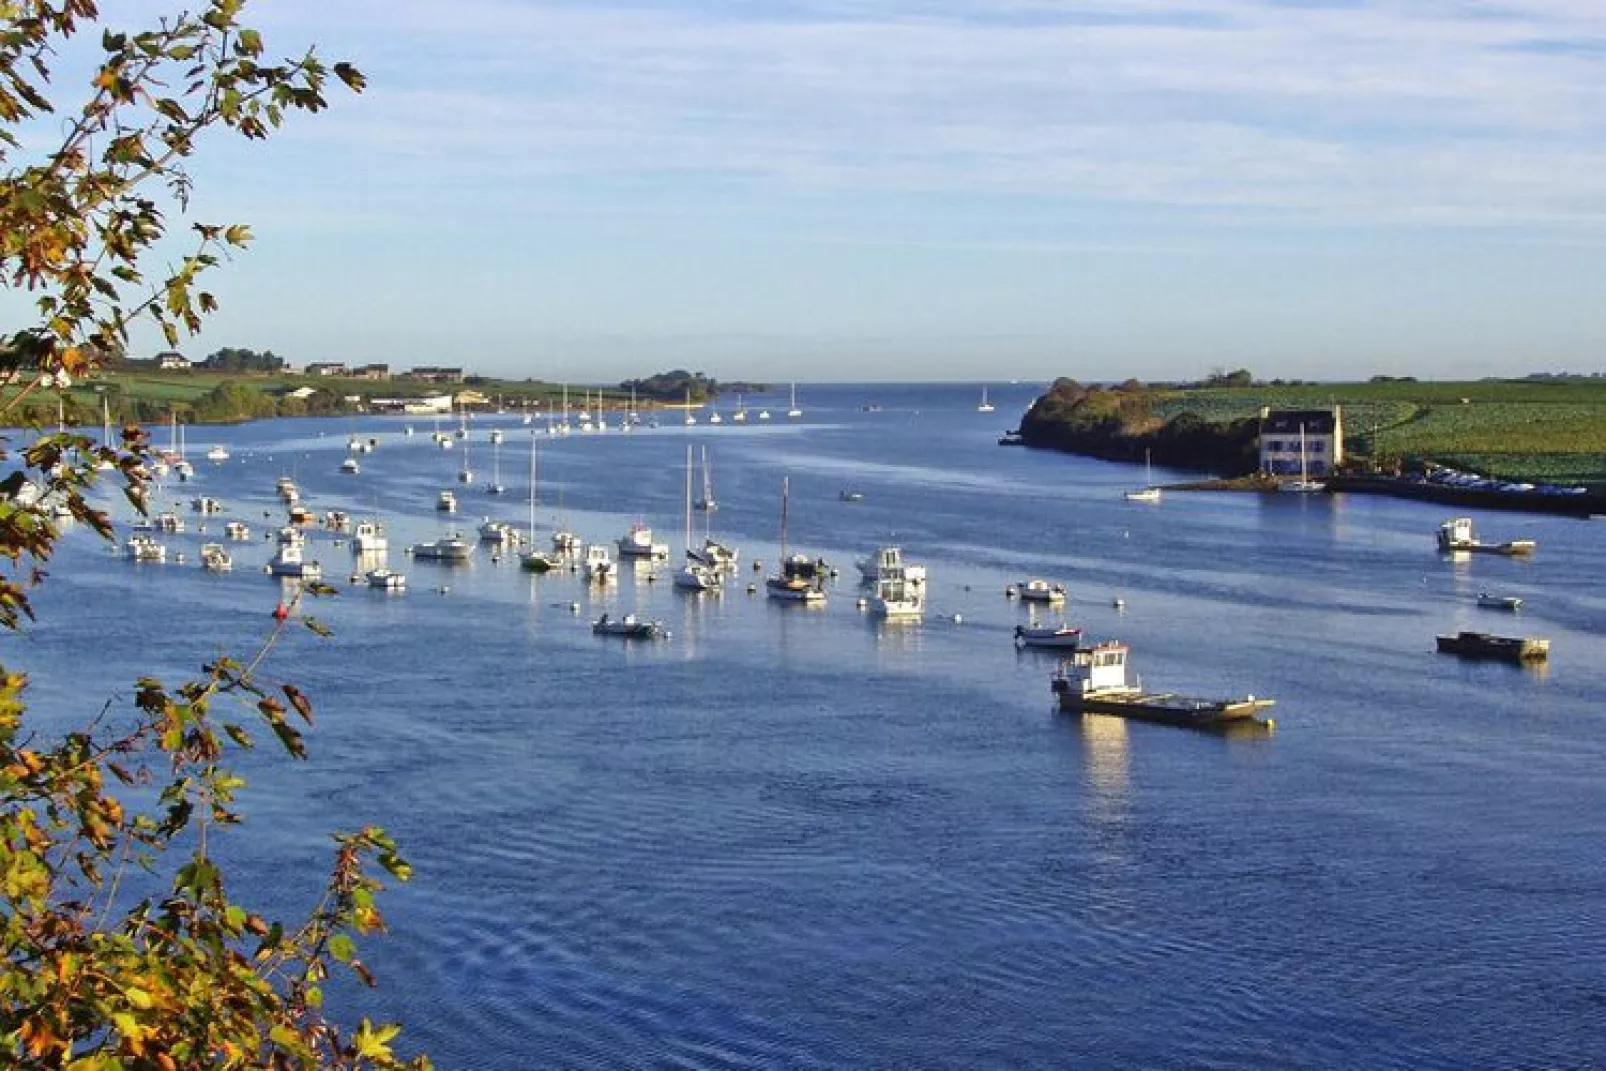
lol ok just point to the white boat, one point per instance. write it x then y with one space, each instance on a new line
763 414
985 406
218 453
168 522
638 543
385 579
1150 492
740 416
450 548
533 560
496 436
695 575
238 531
597 563
793 412
215 559
499 532
465 475
630 627
900 588
290 560
1054 636
1040 591
206 504
142 548
691 418
369 538
446 502
715 418
350 466
1304 485
799 578
713 552
888 561
337 520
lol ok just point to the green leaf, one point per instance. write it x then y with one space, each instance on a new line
342 948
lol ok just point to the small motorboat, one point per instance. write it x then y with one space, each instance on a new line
1040 591
630 627
386 579
1503 648
1060 636
1509 603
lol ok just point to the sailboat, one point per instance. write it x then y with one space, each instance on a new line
694 575
1150 492
706 501
535 561
985 406
495 486
800 578
465 475
106 435
690 416
1303 485
740 416
794 412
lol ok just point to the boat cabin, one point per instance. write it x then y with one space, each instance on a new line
1101 669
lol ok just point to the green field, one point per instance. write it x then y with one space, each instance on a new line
1536 430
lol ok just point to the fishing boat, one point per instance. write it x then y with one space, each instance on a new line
638 543
500 533
337 520
1096 681
446 501
144 548
695 575
1509 603
985 406
290 560
385 579
629 627
1149 492
350 466
886 560
215 559
1457 535
238 531
206 504
597 564
1501 648
217 453
369 538
1040 591
1051 636
799 578
449 548
900 587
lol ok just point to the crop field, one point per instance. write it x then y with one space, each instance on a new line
1524 429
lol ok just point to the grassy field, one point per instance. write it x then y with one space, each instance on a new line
1531 429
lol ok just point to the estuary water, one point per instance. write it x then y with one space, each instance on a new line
793 837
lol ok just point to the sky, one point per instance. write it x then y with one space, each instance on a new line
831 190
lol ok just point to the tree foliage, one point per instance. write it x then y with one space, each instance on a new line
674 386
231 359
123 944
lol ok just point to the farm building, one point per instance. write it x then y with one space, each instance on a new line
1295 440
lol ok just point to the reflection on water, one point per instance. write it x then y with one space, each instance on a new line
1104 753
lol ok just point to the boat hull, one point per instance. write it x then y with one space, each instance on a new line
1495 648
1168 709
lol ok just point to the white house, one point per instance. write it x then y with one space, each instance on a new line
1296 440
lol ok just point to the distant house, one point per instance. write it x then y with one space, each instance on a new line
1288 434
371 371
172 361
436 375
326 368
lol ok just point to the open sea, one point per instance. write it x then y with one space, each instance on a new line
801 838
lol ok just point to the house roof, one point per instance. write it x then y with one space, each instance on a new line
1289 421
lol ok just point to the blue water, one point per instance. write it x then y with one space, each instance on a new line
795 837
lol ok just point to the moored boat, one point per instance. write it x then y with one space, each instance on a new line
385 579
1457 534
215 559
1470 644
630 627
1489 601
450 548
1040 591
1058 636
1096 681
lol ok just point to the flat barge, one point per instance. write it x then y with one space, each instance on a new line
1095 681
1519 649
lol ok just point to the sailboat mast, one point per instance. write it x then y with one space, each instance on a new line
786 485
688 498
532 490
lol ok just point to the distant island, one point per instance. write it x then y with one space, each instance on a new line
1540 428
